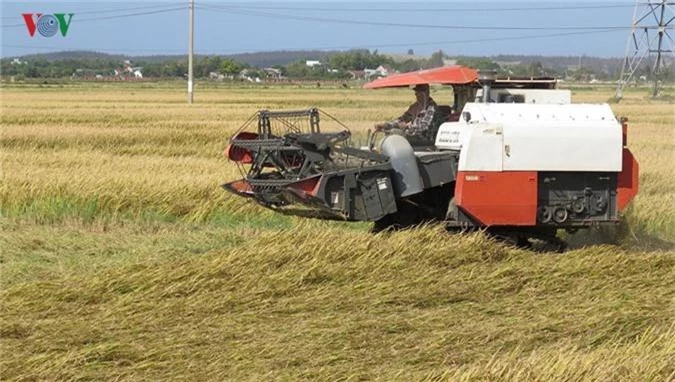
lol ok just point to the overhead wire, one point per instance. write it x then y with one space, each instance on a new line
243 10
418 9
237 10
115 10
225 9
465 41
381 9
342 47
152 12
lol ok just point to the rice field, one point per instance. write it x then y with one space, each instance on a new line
123 259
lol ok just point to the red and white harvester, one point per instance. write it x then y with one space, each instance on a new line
514 157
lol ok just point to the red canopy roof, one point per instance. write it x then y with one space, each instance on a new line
448 75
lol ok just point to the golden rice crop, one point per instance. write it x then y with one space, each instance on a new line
122 258
130 149
311 302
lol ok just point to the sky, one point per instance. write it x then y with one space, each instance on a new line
475 28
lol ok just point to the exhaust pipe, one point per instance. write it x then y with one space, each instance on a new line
487 78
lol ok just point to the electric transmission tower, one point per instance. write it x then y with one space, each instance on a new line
649 43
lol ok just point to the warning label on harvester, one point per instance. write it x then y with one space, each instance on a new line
382 184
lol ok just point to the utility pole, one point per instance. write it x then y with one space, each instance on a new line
191 32
641 44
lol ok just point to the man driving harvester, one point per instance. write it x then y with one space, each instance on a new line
418 120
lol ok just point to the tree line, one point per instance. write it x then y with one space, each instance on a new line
335 65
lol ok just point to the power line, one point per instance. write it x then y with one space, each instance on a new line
387 10
414 44
238 10
115 10
111 17
418 9
399 25
229 9
345 47
137 14
476 40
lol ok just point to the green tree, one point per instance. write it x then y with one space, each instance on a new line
207 65
408 65
583 74
152 70
297 69
536 69
232 67
436 60
358 60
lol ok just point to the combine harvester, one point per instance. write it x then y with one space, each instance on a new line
514 157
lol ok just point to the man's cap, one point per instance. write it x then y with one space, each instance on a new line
421 87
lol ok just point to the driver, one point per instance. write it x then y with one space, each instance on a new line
417 120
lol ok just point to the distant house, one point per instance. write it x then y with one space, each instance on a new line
17 61
124 73
312 63
216 76
370 73
380 71
273 73
384 70
244 74
249 75
128 72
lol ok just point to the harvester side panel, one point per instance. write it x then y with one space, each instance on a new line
498 198
437 168
628 179
547 199
358 195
